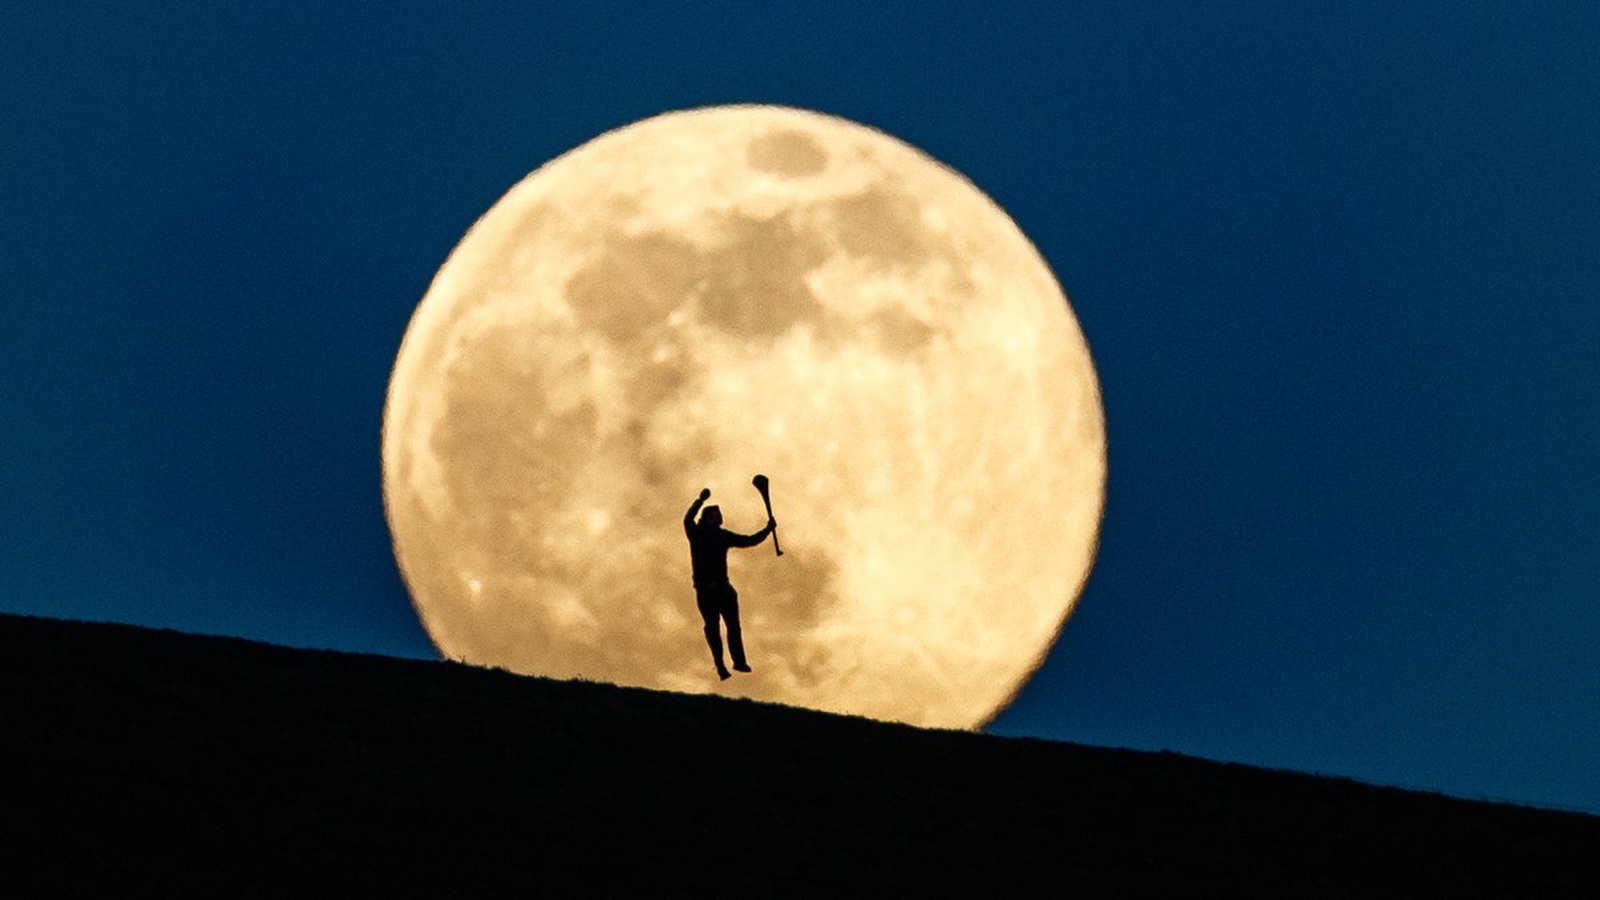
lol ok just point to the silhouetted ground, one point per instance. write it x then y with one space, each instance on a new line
184 764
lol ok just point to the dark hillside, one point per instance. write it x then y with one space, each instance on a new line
137 758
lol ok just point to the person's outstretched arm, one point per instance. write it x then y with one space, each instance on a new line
694 509
735 539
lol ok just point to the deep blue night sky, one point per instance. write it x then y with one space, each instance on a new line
1337 265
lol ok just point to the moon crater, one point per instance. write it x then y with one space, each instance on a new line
788 153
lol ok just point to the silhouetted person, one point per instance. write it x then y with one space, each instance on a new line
708 551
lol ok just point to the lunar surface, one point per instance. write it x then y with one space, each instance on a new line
704 295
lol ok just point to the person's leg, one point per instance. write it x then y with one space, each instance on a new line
730 614
713 629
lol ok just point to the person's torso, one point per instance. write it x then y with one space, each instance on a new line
708 552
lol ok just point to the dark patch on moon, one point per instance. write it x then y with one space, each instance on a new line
958 282
800 592
899 332
755 283
626 294
788 153
496 388
649 384
883 224
634 284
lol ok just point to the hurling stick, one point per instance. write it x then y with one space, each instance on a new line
760 481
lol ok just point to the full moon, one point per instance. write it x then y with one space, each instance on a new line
704 295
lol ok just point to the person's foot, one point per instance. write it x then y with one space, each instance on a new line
741 667
723 673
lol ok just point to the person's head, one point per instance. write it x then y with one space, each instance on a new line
711 516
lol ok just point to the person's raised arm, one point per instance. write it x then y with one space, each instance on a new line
694 509
735 539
